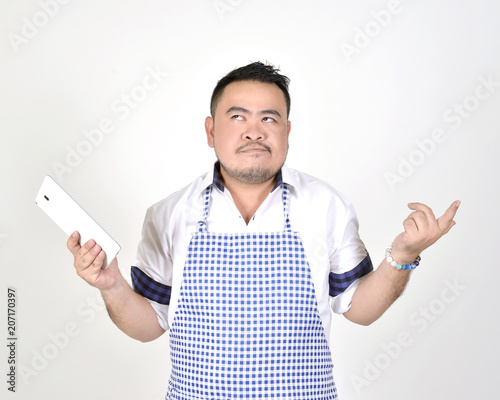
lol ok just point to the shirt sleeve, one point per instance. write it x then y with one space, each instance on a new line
350 263
152 273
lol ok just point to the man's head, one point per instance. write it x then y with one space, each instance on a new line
249 125
255 71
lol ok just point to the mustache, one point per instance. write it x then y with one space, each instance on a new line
253 144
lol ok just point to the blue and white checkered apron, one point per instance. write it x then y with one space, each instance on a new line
247 324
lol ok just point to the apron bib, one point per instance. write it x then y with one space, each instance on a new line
247 324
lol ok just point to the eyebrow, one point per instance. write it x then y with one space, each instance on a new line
245 111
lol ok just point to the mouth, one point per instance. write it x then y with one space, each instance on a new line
253 148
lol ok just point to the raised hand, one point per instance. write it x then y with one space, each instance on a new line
421 230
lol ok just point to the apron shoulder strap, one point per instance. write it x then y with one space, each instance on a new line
202 224
286 212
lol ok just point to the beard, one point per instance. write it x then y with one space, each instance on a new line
251 175
255 174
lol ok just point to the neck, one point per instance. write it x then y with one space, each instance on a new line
247 197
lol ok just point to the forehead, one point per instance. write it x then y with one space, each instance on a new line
253 95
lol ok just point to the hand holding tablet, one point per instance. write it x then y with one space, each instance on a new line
70 217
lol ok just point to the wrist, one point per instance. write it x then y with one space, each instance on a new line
401 261
115 289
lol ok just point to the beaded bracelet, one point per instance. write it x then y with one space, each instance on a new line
394 263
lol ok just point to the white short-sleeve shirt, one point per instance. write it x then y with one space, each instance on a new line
325 220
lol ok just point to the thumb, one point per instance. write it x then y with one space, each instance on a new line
445 222
73 243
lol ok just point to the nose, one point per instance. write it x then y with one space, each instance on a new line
253 132
253 136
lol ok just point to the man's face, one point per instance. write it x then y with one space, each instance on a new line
249 131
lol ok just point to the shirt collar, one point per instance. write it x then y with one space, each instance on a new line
217 178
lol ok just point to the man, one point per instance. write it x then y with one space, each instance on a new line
231 263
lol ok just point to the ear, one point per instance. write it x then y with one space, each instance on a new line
288 133
209 129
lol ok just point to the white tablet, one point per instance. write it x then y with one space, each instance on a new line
70 217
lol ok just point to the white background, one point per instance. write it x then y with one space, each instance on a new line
367 85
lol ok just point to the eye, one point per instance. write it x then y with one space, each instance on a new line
237 117
268 119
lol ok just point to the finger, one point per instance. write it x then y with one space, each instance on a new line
86 255
98 260
86 247
73 243
419 219
445 222
423 208
452 224
409 225
93 263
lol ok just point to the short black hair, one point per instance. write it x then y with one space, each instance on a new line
256 71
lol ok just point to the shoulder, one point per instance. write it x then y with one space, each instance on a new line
312 189
179 203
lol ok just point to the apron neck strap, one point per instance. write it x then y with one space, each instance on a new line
286 203
202 224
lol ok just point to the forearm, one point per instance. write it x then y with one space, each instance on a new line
376 294
131 312
382 287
